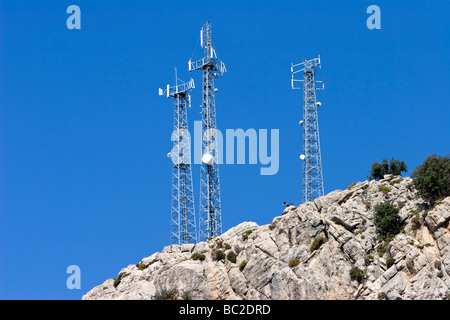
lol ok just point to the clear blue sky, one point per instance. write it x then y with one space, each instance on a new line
84 177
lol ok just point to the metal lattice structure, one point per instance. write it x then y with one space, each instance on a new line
183 224
312 164
210 216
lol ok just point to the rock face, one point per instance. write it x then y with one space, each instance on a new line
279 260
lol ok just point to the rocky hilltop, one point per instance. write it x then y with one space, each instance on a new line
326 249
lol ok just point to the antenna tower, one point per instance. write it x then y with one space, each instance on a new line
312 164
183 226
210 216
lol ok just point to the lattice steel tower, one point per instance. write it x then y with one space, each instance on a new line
183 225
210 216
312 164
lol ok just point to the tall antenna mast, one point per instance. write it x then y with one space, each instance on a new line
210 216
312 164
183 225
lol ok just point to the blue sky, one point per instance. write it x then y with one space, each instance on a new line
84 177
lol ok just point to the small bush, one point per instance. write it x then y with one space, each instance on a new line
242 265
140 266
410 186
393 182
173 294
116 282
416 222
245 235
350 187
381 250
186 295
382 296
226 246
368 260
386 219
294 262
218 255
231 256
198 256
219 243
317 243
390 262
167 294
357 274
384 189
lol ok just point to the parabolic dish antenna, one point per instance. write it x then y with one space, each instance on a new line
302 157
207 159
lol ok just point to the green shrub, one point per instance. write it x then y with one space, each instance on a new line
140 266
416 222
432 178
410 186
167 294
382 250
386 219
390 262
382 296
218 255
242 265
384 189
368 260
395 167
198 256
226 246
245 235
350 187
231 256
393 182
317 243
116 282
186 295
357 274
294 262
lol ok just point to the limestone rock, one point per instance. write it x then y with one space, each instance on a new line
282 262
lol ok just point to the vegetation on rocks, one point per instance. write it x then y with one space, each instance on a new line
432 178
394 167
386 219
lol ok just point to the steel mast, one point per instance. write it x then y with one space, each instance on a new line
183 224
210 216
312 164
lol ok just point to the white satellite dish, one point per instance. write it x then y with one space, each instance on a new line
302 157
207 159
169 155
318 104
301 122
215 89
